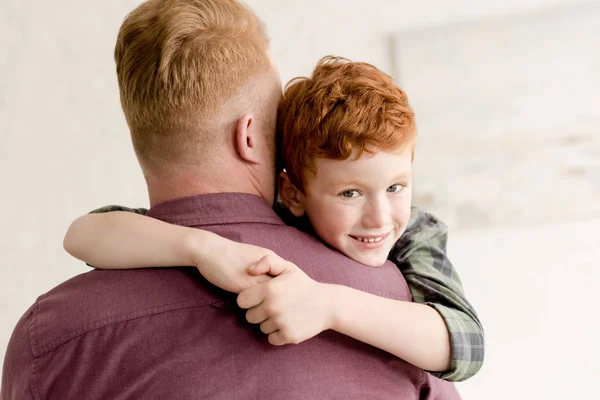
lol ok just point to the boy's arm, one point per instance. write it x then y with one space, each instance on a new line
127 239
421 256
431 334
293 307
411 331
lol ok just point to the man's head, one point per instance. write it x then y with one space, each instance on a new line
196 83
347 140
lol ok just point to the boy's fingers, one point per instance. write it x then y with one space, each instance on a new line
278 267
268 327
260 267
261 279
256 315
251 297
276 339
270 264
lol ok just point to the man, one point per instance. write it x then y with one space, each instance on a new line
200 95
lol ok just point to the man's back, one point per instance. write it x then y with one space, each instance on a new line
167 333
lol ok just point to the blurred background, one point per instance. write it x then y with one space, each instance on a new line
507 97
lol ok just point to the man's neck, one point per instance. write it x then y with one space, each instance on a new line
169 188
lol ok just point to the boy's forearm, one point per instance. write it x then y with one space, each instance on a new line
414 332
122 240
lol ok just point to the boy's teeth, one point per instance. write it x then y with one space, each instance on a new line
370 240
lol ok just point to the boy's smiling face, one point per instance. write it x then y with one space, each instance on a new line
360 207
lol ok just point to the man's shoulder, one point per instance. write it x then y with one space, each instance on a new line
98 298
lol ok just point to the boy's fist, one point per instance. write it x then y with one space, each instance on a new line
290 308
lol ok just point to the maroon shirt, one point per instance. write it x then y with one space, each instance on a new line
166 333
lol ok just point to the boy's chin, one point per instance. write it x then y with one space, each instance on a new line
372 260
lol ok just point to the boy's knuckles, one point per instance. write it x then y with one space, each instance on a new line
270 290
290 265
272 309
268 259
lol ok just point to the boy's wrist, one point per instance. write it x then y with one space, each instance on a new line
336 306
198 245
343 307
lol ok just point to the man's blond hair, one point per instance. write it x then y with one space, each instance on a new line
177 62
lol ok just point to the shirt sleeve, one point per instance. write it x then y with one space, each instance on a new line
113 207
17 371
420 254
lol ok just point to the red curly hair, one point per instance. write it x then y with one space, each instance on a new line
344 107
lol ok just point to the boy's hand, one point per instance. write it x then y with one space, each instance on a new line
290 308
225 263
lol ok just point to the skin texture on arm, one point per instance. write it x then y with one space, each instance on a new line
411 331
126 240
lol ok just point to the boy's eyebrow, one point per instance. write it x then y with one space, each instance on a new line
344 183
404 175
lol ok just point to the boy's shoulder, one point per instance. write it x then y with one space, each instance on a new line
423 223
424 230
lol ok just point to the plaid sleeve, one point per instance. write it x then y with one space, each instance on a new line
420 253
112 208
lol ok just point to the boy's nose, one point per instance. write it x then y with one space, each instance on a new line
375 214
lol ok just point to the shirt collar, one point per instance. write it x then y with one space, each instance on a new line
215 209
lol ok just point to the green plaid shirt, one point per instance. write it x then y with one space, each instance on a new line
420 253
421 256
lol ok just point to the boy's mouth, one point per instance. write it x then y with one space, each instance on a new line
370 238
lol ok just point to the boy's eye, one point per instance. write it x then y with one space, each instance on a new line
350 193
395 188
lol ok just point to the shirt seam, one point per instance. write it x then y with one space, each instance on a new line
34 365
196 222
103 322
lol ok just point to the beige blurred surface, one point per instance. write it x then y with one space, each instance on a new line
536 288
509 117
65 149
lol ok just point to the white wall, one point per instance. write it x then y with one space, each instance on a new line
508 105
536 290
64 149
304 31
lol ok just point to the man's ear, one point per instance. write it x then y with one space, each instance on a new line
246 142
292 198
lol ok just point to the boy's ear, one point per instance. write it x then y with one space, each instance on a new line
246 142
292 198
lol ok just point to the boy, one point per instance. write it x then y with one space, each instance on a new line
347 138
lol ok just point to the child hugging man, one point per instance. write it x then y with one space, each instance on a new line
346 138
